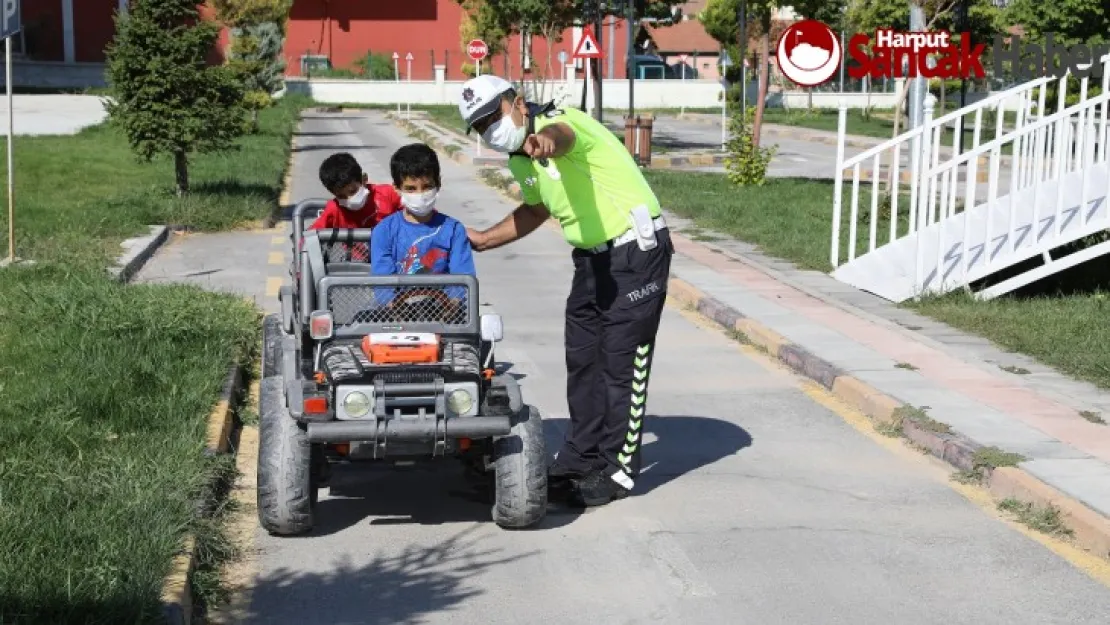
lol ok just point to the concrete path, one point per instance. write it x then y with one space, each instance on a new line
764 501
52 114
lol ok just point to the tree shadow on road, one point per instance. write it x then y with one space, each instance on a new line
398 589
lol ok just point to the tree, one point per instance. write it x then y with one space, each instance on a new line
257 61
1071 21
481 22
236 13
165 97
720 18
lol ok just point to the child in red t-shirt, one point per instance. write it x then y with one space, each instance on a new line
357 203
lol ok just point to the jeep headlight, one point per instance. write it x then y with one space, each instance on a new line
356 404
460 401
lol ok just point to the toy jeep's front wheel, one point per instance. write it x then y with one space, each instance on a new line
286 488
520 472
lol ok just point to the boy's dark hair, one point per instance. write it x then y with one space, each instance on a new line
415 160
340 170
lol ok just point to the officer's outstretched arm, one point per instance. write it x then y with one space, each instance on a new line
553 141
520 223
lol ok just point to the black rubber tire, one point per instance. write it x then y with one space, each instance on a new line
272 334
286 490
520 472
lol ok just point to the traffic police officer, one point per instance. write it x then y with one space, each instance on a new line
570 167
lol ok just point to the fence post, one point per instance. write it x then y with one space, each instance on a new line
838 186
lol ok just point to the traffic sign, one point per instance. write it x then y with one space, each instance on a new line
396 56
587 46
725 60
477 49
408 57
563 57
13 20
682 57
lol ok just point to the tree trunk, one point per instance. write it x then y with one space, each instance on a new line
764 61
254 120
181 168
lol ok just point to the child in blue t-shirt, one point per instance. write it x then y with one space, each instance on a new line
420 239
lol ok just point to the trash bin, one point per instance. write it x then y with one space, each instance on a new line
631 124
644 143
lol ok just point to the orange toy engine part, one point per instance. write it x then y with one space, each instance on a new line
401 348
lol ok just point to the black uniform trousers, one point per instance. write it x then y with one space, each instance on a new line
612 315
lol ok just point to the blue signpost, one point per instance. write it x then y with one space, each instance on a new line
11 22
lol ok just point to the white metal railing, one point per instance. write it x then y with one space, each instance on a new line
1043 147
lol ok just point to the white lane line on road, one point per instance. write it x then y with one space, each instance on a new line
671 558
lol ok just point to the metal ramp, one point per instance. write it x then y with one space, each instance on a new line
976 213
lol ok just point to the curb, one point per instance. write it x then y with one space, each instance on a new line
1090 530
686 160
137 251
177 596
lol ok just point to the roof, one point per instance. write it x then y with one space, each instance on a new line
684 36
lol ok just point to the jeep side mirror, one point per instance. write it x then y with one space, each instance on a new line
492 329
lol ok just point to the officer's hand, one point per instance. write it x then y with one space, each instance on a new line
477 239
539 146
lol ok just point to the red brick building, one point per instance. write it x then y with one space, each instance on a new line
72 34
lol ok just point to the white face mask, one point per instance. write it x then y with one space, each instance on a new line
420 204
505 136
356 201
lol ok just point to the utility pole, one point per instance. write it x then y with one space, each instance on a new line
598 19
965 28
917 86
630 9
743 60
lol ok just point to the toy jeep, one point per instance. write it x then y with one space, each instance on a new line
359 367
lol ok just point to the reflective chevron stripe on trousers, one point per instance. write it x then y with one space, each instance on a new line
612 316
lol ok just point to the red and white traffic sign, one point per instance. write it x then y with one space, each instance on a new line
587 46
477 49
682 57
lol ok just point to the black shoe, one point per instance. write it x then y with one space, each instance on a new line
561 482
598 489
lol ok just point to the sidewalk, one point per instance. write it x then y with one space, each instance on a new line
944 391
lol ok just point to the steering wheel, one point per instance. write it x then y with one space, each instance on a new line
409 302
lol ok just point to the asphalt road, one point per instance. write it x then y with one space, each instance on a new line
761 502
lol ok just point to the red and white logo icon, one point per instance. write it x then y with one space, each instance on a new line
809 53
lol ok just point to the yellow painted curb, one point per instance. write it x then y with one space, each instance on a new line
1090 530
177 599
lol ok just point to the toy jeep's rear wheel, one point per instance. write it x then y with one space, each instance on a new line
286 485
519 463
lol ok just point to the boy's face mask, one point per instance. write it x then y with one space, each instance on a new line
356 201
420 204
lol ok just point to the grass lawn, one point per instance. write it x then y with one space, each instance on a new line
105 389
790 219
